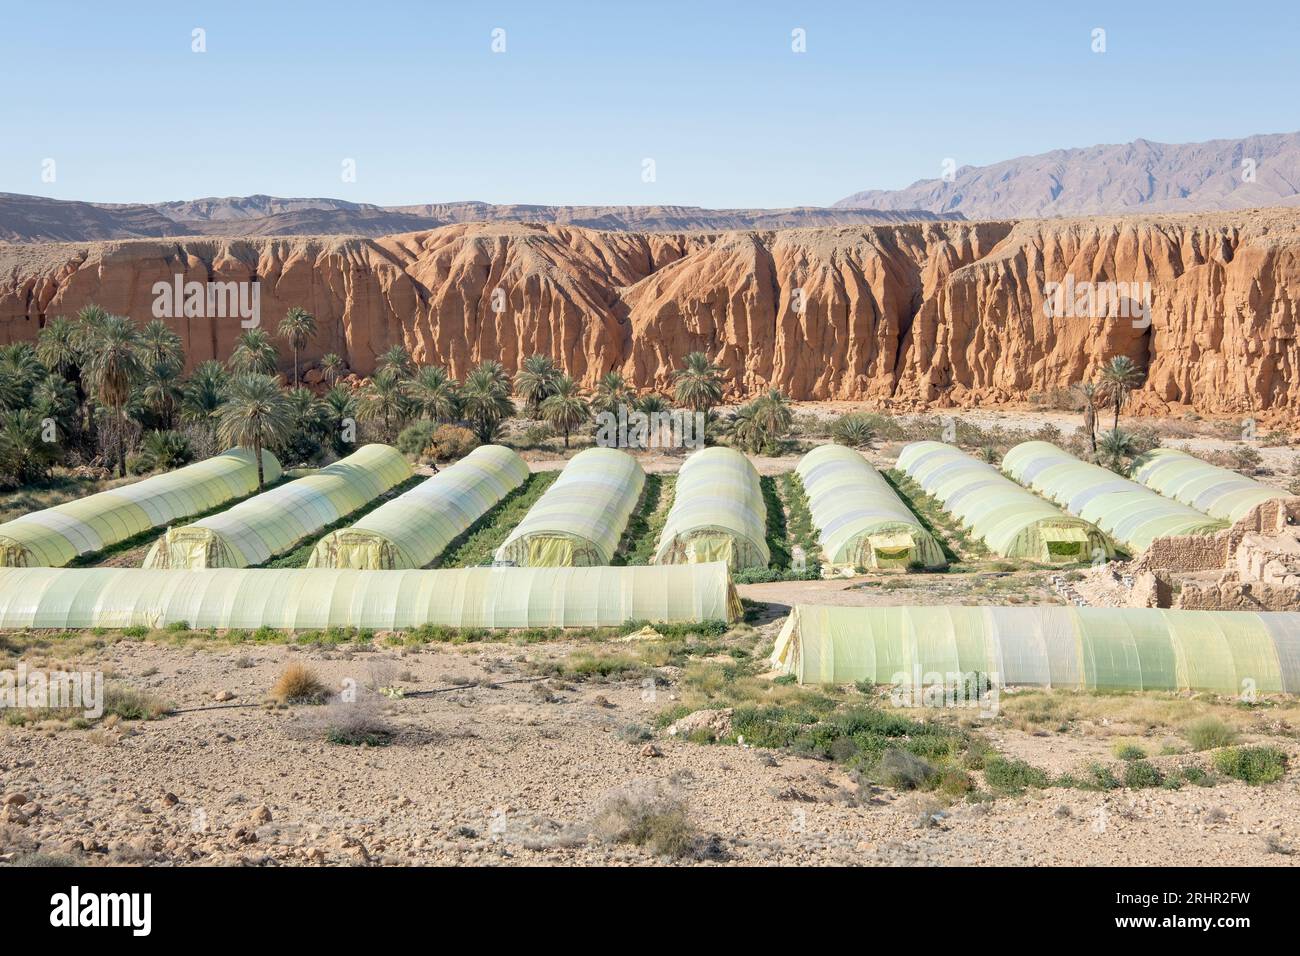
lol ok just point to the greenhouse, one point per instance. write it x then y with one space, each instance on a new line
311 598
1225 652
1010 520
1132 515
1218 492
256 530
414 528
580 518
860 520
718 513
55 536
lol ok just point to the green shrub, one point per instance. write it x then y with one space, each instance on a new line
905 771
1095 776
1129 752
415 438
1140 774
1254 765
1209 733
1012 776
857 430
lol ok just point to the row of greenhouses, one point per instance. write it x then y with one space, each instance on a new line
315 598
1132 514
59 535
1075 511
1010 520
1108 649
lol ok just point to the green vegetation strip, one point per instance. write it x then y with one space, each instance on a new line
641 538
480 541
297 558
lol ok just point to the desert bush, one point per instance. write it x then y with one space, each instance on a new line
298 684
352 723
1254 765
1209 733
128 703
1129 752
1006 775
415 438
650 814
451 441
1139 774
905 771
1095 776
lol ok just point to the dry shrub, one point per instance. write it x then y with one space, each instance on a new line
353 723
647 813
451 441
298 684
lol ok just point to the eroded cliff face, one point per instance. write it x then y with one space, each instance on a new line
947 314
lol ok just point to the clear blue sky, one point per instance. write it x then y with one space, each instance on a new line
710 90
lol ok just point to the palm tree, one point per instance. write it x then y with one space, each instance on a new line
385 399
113 366
311 419
652 403
1115 447
162 391
56 347
749 428
25 455
254 354
434 393
331 367
340 407
1120 376
612 392
297 326
773 409
254 415
203 394
398 359
160 345
1089 392
485 398
536 382
699 383
565 408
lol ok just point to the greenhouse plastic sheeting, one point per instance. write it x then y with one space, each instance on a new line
302 598
718 513
258 529
1010 520
860 520
56 536
1131 514
1218 492
1226 652
414 528
580 518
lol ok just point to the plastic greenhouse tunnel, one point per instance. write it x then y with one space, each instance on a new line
258 529
1119 649
313 598
1010 520
1131 514
1218 492
581 517
414 528
861 521
718 513
56 536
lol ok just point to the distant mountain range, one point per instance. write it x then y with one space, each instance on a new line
37 219
1141 176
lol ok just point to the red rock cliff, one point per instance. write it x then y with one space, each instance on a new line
937 313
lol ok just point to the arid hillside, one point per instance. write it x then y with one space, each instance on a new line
945 314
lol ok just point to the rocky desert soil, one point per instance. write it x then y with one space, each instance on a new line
498 767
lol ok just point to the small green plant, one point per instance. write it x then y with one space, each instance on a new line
1129 752
1005 775
1095 776
1254 765
1209 733
131 704
1141 773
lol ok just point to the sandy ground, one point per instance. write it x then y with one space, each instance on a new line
500 775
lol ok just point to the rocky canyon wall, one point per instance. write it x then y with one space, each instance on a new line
944 314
